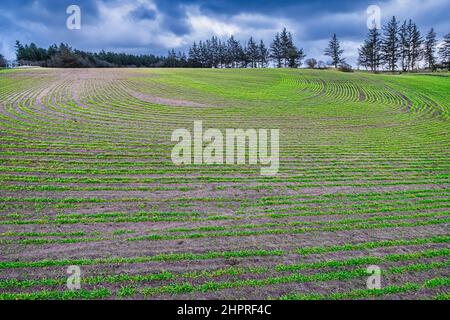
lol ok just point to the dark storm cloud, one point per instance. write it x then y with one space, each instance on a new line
280 7
143 13
175 18
156 25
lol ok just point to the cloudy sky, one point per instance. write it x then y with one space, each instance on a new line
154 26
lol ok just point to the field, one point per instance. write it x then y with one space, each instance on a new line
87 180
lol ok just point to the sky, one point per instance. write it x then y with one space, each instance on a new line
155 26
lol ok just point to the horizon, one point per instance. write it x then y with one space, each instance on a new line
154 26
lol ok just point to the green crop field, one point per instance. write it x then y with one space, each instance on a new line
87 180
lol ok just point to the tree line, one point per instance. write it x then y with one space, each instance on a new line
215 53
212 53
64 56
395 47
401 46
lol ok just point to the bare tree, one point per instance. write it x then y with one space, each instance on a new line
311 63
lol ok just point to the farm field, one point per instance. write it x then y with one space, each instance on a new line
87 179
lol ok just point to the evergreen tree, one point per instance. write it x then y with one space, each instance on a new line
181 60
19 51
244 60
390 45
235 52
252 52
202 53
430 49
444 51
295 57
222 53
52 50
404 46
370 52
206 54
284 52
194 56
214 52
263 55
335 52
171 61
287 45
3 62
364 56
409 36
276 51
416 47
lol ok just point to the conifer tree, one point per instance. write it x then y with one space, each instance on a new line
335 52
390 45
430 49
444 51
370 51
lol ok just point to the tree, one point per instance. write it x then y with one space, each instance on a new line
276 51
52 50
311 63
244 60
390 45
335 52
19 51
263 54
295 57
214 52
364 56
287 47
222 53
370 52
284 52
404 46
416 46
252 52
430 49
234 52
444 51
205 57
194 56
3 62
181 59
171 61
